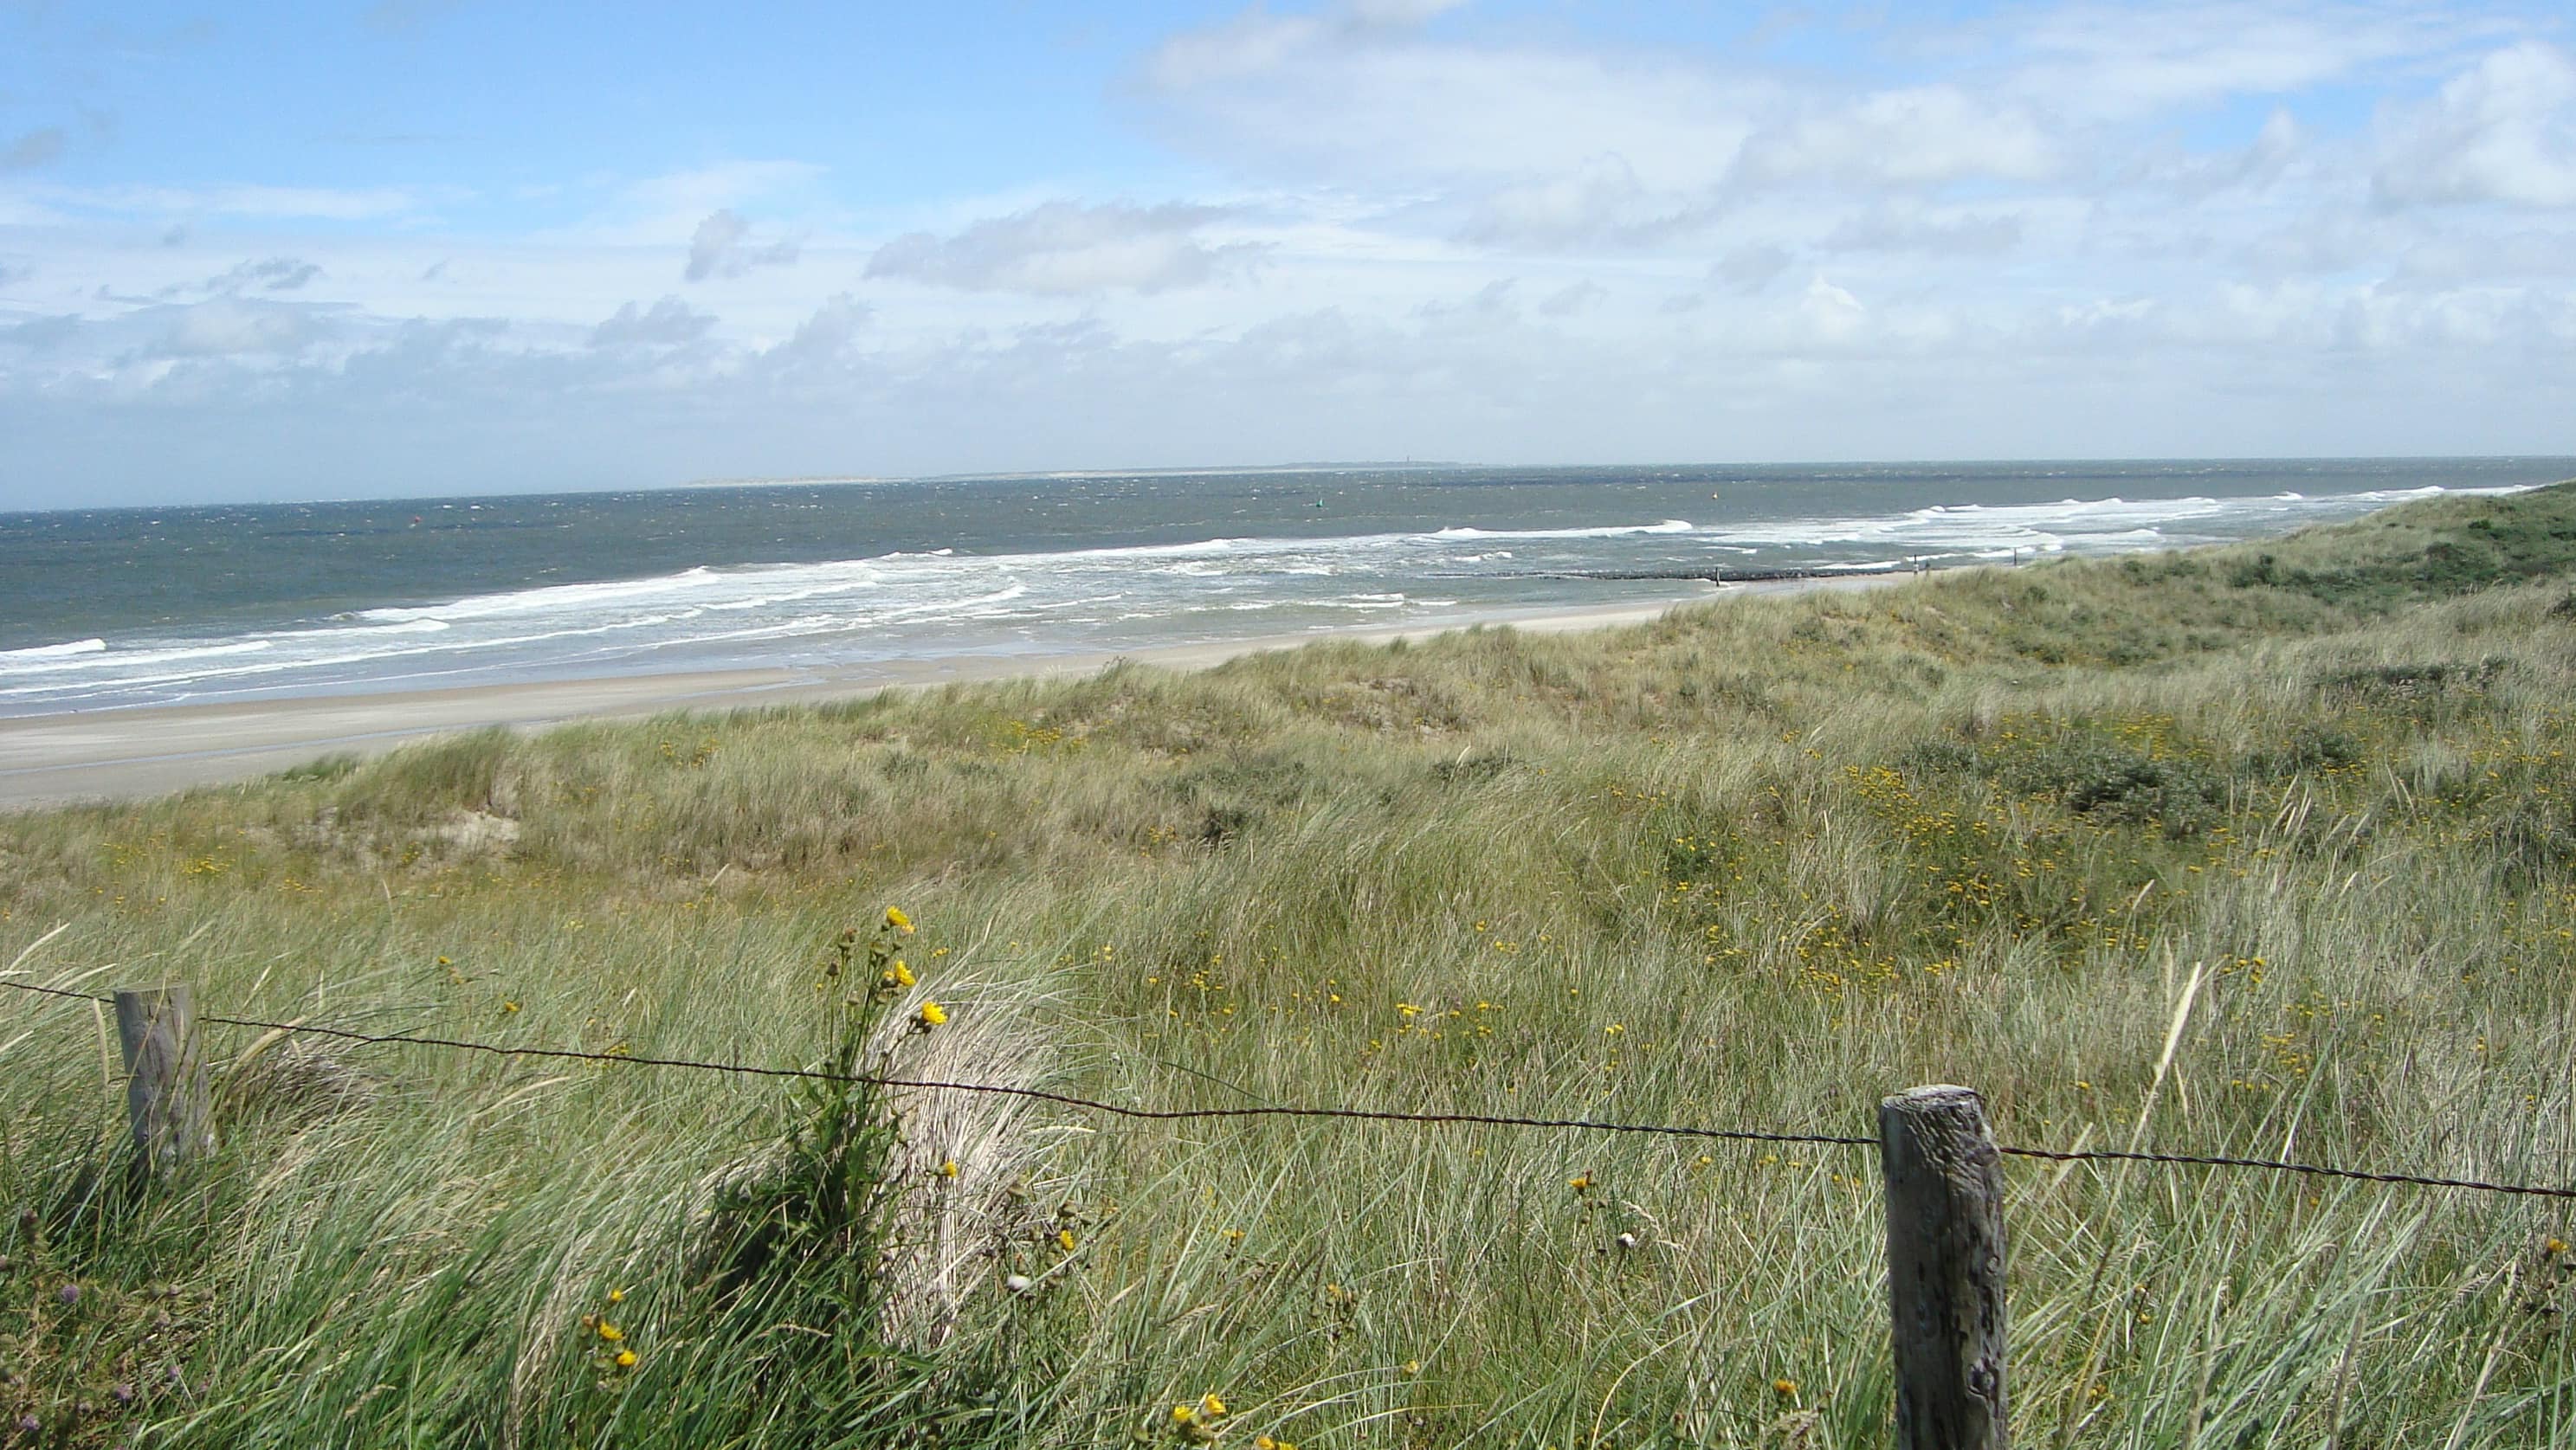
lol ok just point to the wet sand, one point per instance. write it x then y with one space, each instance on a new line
123 754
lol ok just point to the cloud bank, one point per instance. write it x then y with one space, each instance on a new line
1381 228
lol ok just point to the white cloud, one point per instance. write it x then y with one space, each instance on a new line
1749 268
274 274
1065 248
1313 96
668 323
1600 202
1834 314
1401 13
717 249
1892 227
2120 61
40 334
1493 305
1915 136
703 189
1572 298
828 337
265 203
2505 131
32 149
2485 258
232 327
1249 44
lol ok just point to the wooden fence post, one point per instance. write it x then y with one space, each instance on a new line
1945 1268
165 1082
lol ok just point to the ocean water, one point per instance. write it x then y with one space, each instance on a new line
125 607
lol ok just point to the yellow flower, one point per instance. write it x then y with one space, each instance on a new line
1580 1183
899 974
616 1296
610 1332
948 1168
2557 1246
895 918
1064 1236
509 1007
625 1359
1210 1405
932 1014
1785 1387
1183 1414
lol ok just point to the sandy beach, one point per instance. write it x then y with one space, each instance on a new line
124 754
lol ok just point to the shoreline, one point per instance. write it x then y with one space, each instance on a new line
126 754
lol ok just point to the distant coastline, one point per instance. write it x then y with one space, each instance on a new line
1230 470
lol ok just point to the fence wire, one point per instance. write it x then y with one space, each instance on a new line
1363 1115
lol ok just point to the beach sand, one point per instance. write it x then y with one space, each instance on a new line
124 754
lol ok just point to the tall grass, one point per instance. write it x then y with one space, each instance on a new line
1755 864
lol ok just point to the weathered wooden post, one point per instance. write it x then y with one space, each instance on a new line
1945 1268
165 1075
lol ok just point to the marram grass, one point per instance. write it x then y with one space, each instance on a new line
1754 865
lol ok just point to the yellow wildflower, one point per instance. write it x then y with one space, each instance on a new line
948 1168
1210 1405
509 1007
1580 1183
625 1359
2557 1246
895 918
932 1014
899 974
616 1296
1064 1236
1785 1387
1183 1415
610 1332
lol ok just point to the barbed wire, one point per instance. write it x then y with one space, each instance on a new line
996 1089
2282 1165
1123 1110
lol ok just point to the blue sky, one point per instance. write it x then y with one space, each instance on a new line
440 246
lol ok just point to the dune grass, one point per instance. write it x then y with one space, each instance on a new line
1753 865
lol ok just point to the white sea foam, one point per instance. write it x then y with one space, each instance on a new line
553 598
1609 531
55 651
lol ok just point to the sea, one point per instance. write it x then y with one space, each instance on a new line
122 608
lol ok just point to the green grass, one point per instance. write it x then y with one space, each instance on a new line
1754 865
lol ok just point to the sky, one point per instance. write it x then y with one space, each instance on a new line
285 251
